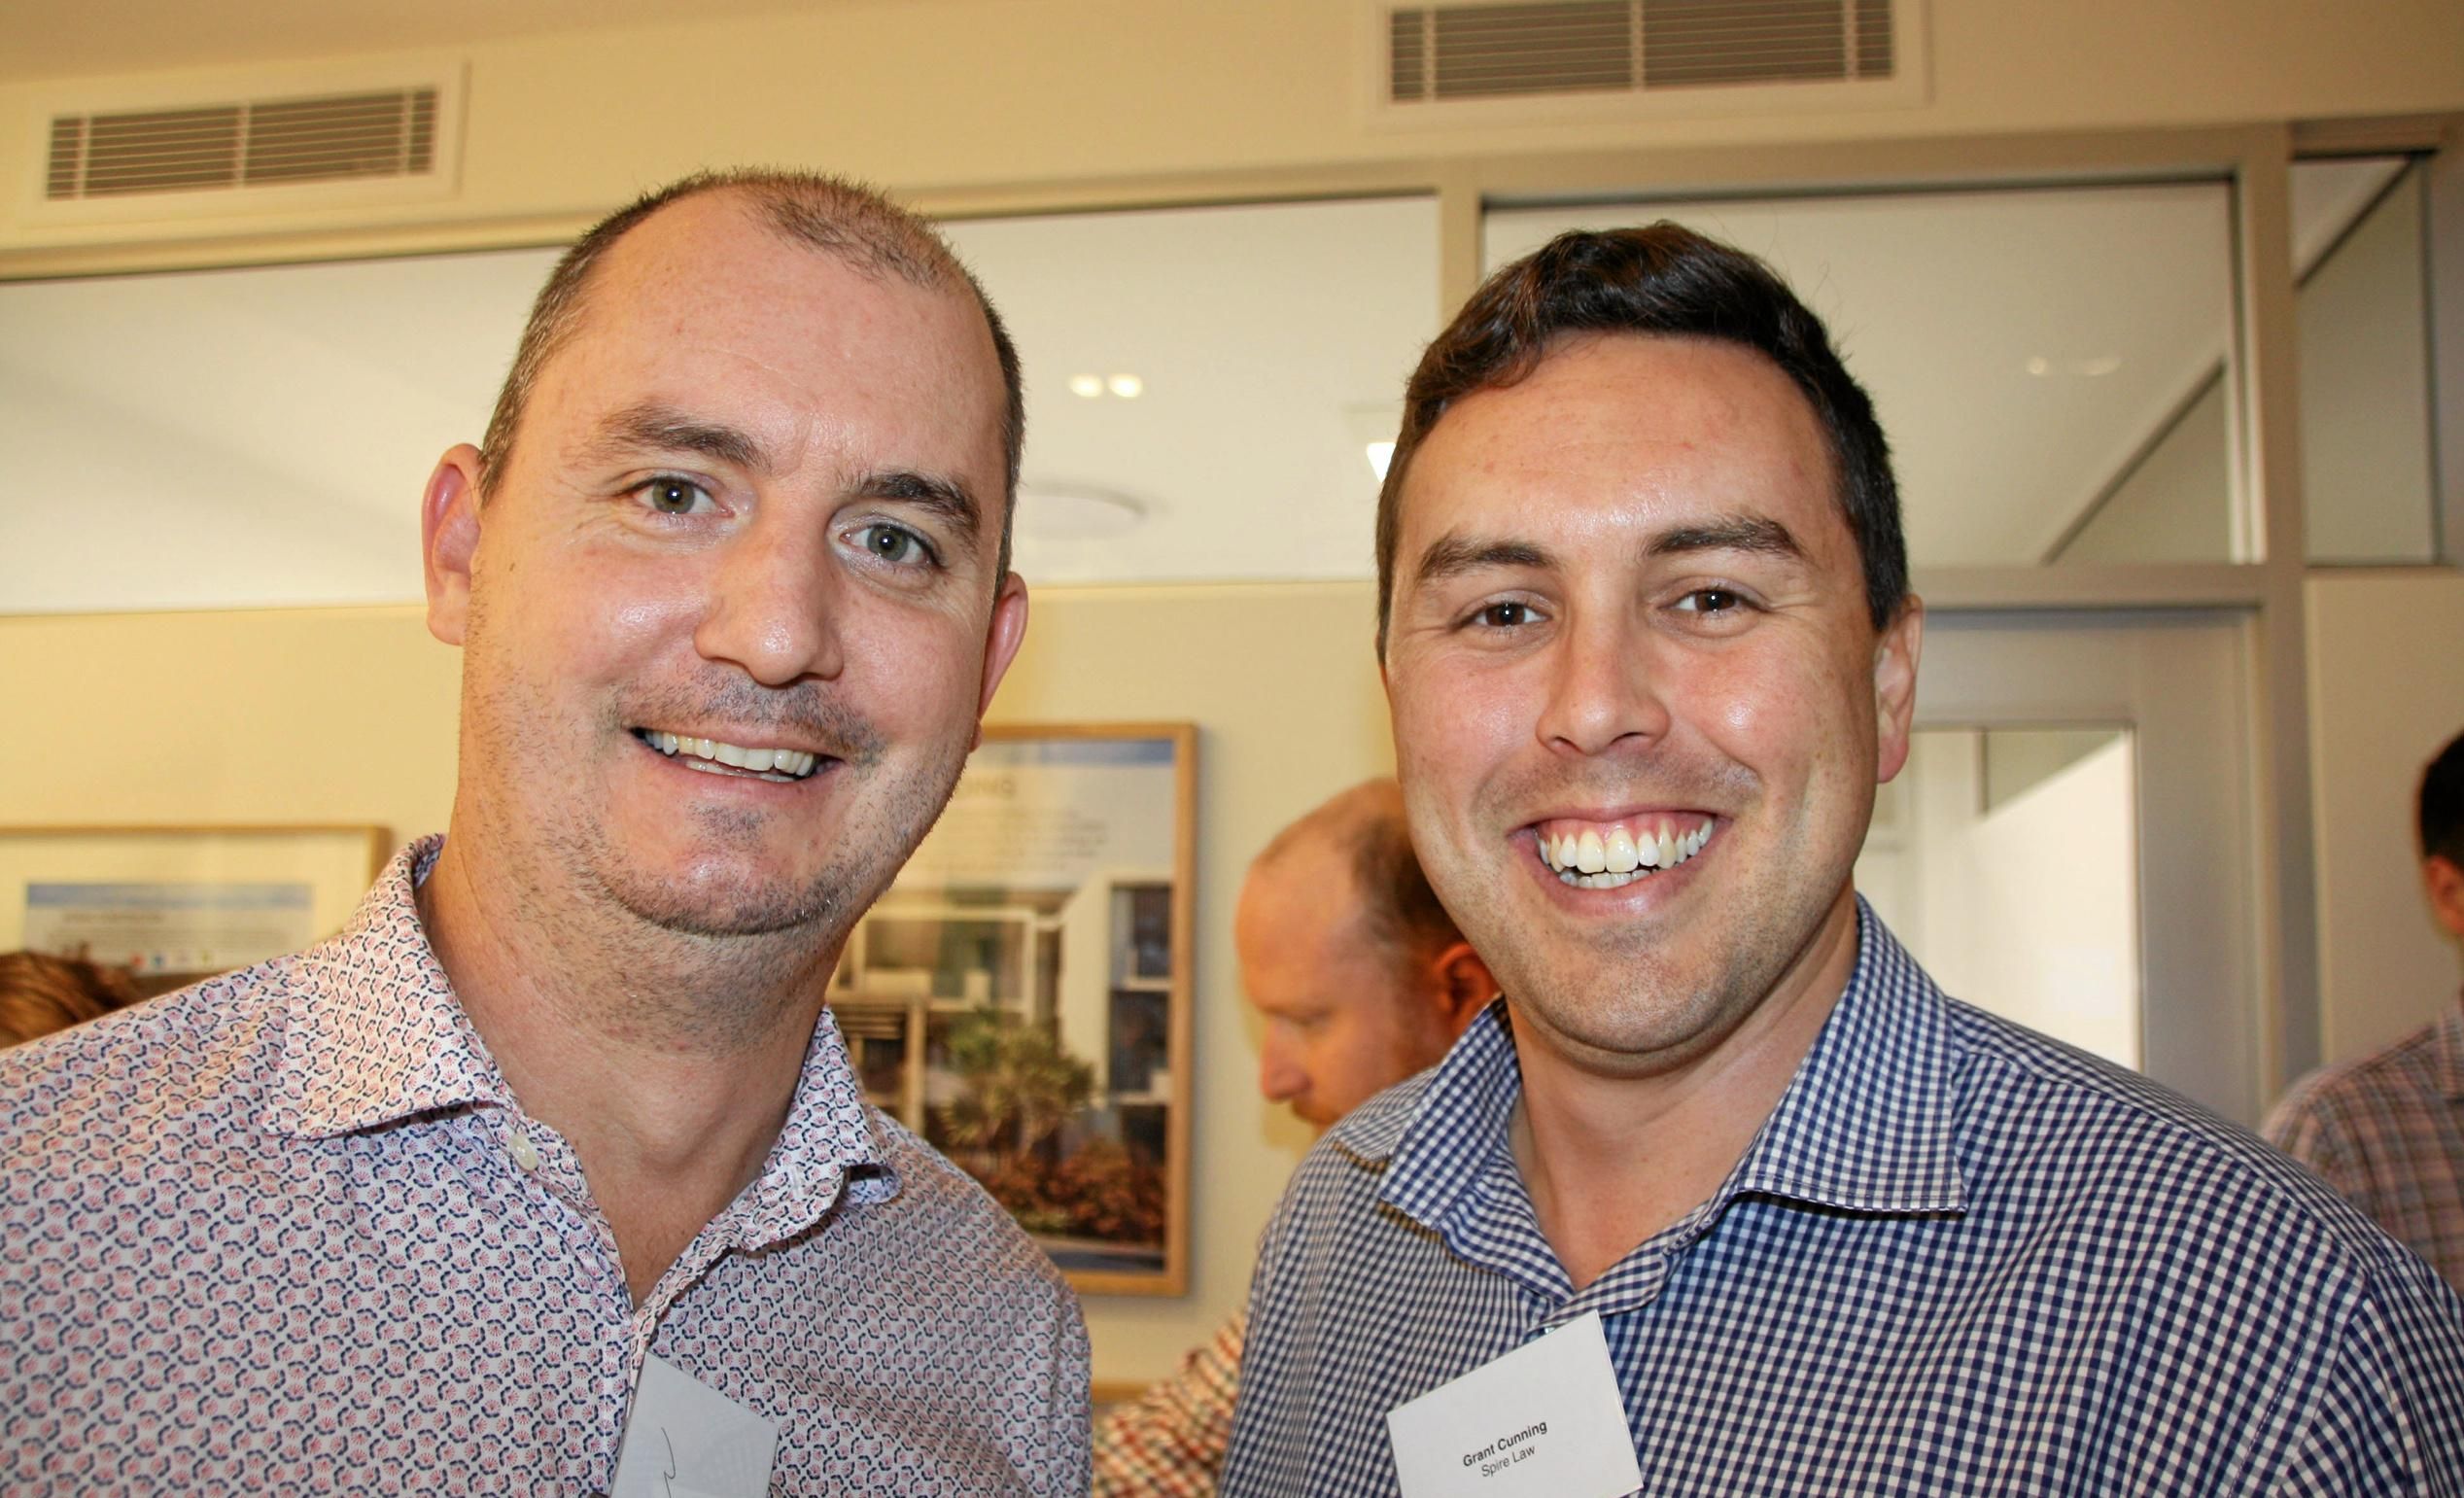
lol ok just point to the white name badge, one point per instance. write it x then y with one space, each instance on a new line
686 1439
1543 1421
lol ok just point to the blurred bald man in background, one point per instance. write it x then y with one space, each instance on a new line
1361 980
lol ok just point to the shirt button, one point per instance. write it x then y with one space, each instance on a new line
519 1145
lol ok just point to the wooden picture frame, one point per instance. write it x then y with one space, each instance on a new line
1021 996
177 904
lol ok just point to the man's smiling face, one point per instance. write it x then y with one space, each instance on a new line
730 615
1640 707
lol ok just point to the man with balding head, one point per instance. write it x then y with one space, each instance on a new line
1361 980
1358 971
550 1174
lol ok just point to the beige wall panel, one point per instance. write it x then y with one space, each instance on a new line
348 715
2386 660
310 714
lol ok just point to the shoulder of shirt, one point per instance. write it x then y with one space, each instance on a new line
2405 1065
210 1048
947 1196
2151 1152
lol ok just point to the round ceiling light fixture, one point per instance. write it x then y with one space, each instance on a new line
1073 512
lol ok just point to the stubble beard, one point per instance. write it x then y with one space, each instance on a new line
717 962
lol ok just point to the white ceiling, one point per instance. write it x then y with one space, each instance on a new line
259 437
50 38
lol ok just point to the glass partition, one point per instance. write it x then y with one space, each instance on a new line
2362 311
2054 366
243 438
1209 395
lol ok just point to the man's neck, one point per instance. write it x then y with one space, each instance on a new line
1613 1156
594 1034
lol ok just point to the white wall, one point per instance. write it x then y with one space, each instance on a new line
2387 669
2030 910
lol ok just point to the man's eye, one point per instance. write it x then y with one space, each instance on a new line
1711 601
1504 615
674 495
894 544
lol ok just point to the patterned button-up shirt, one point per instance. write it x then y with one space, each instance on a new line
2387 1130
1169 1441
1958 1258
290 1230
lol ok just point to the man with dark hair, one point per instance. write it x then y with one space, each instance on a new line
1726 1197
550 1172
2387 1130
1361 980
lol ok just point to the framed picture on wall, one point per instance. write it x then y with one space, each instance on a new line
175 905
1021 997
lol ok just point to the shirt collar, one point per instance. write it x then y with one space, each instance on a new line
1867 1124
375 1034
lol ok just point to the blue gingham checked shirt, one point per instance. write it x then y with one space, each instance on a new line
1959 1259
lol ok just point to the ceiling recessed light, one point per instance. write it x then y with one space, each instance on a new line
1128 387
1064 511
1089 386
2039 364
2098 367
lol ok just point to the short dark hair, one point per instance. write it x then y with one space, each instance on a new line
1668 280
848 220
2441 803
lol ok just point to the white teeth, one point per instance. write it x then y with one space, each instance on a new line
794 764
1592 860
1620 850
1589 855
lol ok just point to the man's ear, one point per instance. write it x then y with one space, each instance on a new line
1002 637
2444 881
1463 985
448 539
1895 686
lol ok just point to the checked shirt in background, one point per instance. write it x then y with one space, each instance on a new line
1960 1259
2387 1130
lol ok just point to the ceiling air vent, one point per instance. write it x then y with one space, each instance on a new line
1440 52
266 143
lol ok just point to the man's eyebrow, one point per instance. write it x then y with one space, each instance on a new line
1451 556
948 498
665 429
1729 532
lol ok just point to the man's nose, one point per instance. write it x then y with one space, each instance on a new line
1279 1076
1602 686
772 609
